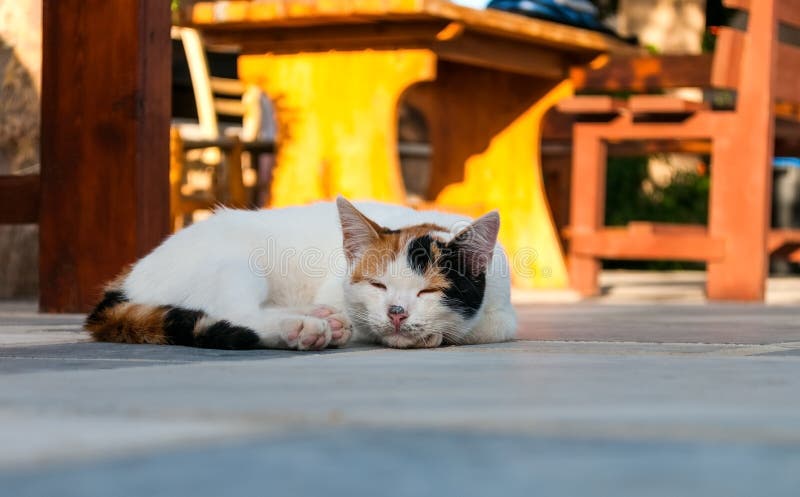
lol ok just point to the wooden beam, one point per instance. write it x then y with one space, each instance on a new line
787 79
639 242
105 151
644 74
784 244
700 126
382 35
789 12
591 104
19 199
466 47
298 13
503 54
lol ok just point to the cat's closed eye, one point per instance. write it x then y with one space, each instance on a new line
427 290
378 285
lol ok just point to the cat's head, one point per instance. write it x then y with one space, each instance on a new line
416 286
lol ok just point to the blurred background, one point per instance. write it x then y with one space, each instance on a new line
211 102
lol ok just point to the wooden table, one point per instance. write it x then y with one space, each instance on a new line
484 79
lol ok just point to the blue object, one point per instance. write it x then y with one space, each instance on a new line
578 13
786 162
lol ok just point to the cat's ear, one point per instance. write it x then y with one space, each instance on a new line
358 231
476 243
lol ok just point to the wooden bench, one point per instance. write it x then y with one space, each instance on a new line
764 72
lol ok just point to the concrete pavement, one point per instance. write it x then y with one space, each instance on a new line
607 400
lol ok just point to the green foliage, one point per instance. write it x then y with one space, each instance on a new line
624 197
174 5
709 42
684 200
652 49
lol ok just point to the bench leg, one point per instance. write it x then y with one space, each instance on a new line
587 210
739 213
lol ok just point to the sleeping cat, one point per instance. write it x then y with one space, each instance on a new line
304 278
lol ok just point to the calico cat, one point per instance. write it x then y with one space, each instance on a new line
299 278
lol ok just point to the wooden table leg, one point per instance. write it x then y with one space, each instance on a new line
485 132
337 120
105 143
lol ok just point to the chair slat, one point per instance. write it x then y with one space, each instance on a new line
728 58
787 82
591 104
788 10
229 107
227 86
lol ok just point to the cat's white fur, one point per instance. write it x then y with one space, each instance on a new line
267 269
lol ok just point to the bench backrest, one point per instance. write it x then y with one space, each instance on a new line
761 57
777 34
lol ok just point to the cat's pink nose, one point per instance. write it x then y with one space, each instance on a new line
397 314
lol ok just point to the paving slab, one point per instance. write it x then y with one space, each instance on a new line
607 400
418 462
661 323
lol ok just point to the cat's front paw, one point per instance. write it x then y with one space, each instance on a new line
306 333
341 328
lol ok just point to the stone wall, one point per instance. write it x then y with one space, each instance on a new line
20 83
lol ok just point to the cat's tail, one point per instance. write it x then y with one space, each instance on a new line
117 319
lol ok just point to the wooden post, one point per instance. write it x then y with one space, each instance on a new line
588 199
105 152
742 187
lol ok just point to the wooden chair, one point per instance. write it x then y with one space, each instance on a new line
216 96
227 188
211 142
737 242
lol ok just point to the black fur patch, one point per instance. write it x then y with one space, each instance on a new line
224 335
110 299
467 287
420 255
179 325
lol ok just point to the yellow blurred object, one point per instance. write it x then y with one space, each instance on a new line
337 120
507 176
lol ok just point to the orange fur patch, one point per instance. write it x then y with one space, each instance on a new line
130 323
389 245
436 279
